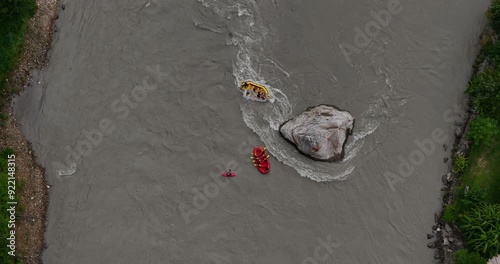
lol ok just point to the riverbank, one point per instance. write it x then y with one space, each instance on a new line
467 227
448 238
33 197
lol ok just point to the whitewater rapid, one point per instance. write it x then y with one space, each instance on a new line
248 33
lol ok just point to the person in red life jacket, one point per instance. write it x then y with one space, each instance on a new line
229 174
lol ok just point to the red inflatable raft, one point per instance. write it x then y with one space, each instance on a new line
260 160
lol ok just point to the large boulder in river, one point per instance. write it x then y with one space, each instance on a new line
320 132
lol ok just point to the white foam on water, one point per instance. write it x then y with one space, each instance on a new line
248 34
67 171
282 151
280 67
353 146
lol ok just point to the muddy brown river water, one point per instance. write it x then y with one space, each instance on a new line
139 112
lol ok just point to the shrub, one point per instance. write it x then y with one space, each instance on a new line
14 16
481 227
450 213
464 203
461 163
491 53
482 130
469 200
465 257
484 90
493 15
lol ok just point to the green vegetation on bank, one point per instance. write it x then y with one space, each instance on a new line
5 258
463 256
483 130
14 17
476 210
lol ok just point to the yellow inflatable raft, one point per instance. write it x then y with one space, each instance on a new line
255 90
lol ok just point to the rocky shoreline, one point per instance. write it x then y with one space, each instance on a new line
33 195
448 238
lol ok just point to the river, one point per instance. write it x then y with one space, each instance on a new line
139 111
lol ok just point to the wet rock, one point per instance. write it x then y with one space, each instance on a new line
434 227
446 242
458 123
458 132
445 197
443 188
445 160
445 147
63 6
429 236
437 256
449 177
443 180
319 132
431 245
